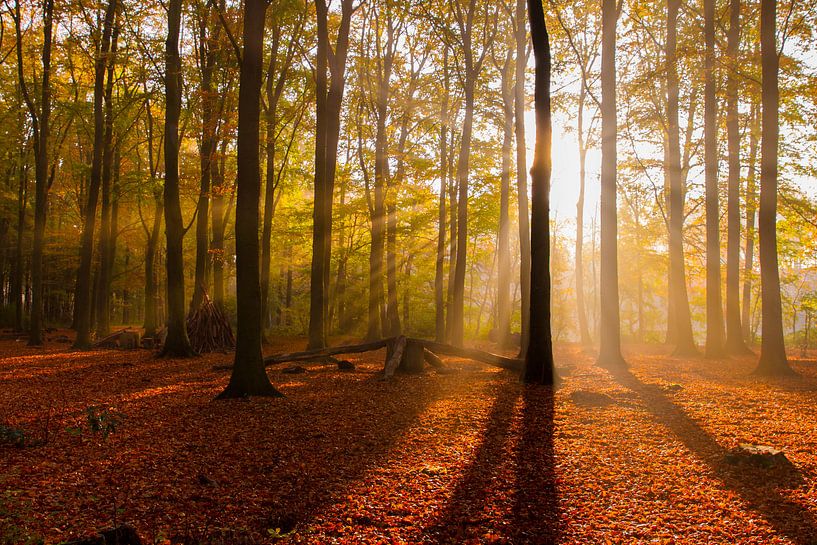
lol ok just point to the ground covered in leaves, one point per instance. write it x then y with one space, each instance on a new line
108 437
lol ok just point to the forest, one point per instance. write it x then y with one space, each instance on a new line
408 271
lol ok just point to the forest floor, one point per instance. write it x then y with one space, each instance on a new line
467 457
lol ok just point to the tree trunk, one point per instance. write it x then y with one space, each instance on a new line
503 301
714 303
207 52
102 300
329 99
176 344
439 269
219 224
584 332
249 376
82 297
734 334
521 171
773 359
539 355
680 330
610 333
751 210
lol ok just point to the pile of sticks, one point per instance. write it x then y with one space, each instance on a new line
209 328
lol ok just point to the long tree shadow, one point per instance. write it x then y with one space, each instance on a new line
464 516
536 504
756 486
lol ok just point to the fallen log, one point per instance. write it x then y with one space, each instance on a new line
309 355
433 359
109 340
511 364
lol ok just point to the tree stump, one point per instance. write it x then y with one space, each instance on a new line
413 359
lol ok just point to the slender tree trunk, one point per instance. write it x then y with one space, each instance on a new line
751 210
82 297
681 319
176 344
714 302
329 100
208 51
452 249
734 334
584 332
17 281
458 307
503 301
521 172
439 270
151 323
102 301
610 333
249 376
40 125
219 225
539 356
773 359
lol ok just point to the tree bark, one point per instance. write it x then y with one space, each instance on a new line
249 376
539 356
714 302
681 319
734 334
773 360
610 333
177 343
102 297
207 58
521 172
439 269
751 211
82 297
503 296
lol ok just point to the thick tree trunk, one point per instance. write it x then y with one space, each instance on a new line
773 359
521 171
680 330
82 297
610 333
539 356
177 343
249 376
714 302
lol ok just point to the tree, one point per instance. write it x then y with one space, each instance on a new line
328 102
473 60
521 171
773 359
681 320
176 343
714 308
439 266
539 356
734 334
40 125
609 333
82 294
249 376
